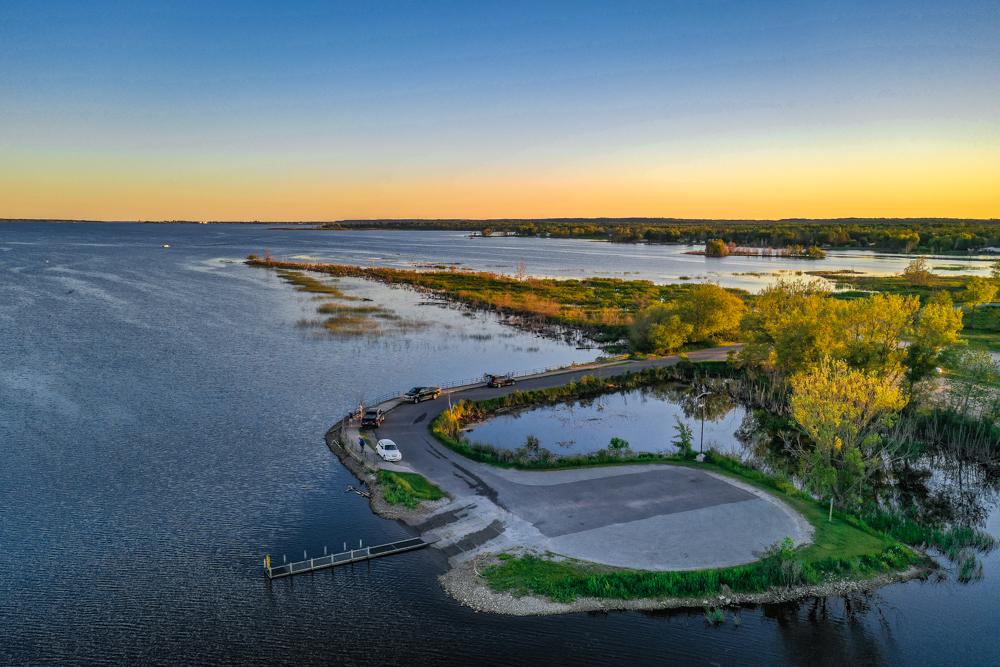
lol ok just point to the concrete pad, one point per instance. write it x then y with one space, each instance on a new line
584 504
718 536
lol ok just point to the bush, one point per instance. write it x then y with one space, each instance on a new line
716 248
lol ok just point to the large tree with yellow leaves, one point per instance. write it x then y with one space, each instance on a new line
843 410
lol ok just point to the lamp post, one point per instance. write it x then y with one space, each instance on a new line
700 398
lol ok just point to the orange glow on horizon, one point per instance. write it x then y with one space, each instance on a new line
931 181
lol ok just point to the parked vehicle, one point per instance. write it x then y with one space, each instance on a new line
495 380
418 394
373 418
388 450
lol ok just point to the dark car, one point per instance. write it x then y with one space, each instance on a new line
418 394
373 418
494 380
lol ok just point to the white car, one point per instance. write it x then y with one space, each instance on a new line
388 450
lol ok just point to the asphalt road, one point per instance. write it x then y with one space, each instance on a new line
656 517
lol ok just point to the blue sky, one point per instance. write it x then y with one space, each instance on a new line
405 93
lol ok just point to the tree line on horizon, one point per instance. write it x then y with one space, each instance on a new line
890 234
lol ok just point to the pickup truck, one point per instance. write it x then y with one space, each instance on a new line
373 418
495 380
418 394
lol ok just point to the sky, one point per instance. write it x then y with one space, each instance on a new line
323 110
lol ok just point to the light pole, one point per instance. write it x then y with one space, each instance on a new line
700 398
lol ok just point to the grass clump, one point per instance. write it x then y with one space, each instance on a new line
407 488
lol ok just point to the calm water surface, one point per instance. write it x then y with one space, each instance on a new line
161 421
646 418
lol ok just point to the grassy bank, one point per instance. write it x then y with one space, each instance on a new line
407 488
842 549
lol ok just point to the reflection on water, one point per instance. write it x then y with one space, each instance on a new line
647 418
161 424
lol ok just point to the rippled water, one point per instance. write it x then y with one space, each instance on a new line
161 421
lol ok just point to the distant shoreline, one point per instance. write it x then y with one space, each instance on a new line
381 223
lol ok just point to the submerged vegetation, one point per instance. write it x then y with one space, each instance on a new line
340 318
603 307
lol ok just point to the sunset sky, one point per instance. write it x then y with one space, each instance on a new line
290 111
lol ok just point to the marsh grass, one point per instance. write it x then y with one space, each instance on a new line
346 319
602 305
307 283
714 616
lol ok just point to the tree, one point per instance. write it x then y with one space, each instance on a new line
936 328
706 312
918 272
716 248
618 446
711 311
995 270
843 411
684 439
791 325
658 329
873 329
978 291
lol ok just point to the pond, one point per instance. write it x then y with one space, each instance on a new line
647 418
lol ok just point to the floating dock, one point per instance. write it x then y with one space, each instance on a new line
342 558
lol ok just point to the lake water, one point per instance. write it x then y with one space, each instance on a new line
646 418
161 423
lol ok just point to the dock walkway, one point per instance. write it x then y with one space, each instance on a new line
343 558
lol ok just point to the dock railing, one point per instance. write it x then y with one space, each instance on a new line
342 558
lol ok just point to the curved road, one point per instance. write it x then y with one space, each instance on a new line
654 517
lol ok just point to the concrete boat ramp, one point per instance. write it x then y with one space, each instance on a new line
648 516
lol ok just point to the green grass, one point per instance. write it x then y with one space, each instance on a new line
407 488
844 548
982 329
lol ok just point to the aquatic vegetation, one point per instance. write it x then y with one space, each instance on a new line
307 283
714 616
345 319
604 307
